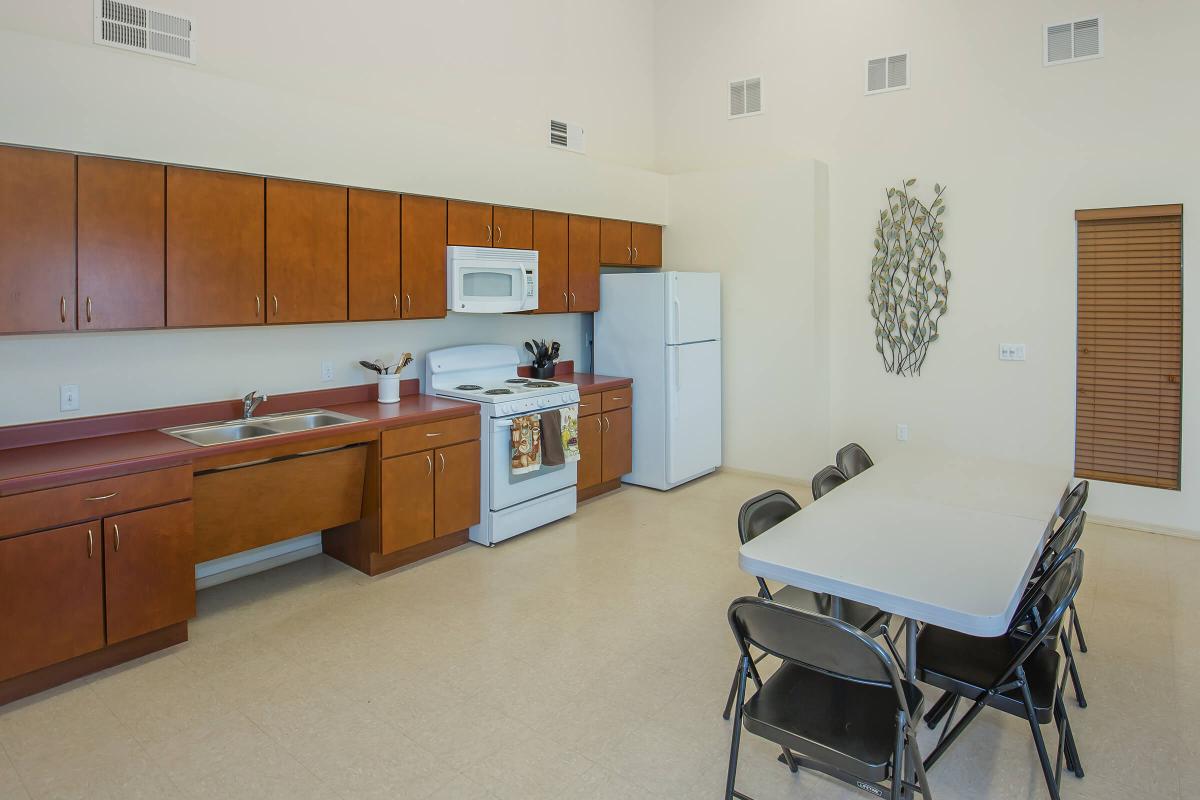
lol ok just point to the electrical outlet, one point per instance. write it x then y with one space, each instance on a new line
1012 352
68 397
327 371
902 432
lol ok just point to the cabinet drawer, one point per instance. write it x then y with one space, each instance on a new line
66 504
590 404
398 441
618 398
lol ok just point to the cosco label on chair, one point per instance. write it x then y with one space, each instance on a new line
875 790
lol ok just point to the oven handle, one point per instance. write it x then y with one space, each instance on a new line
502 423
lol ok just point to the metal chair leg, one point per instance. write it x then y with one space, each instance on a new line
1070 656
743 669
1036 728
938 710
899 763
1078 628
955 732
949 718
732 691
918 768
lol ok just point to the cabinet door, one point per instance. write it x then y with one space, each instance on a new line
647 245
122 244
583 241
550 240
374 254
468 224
37 241
618 444
513 227
52 597
306 251
457 488
616 246
215 252
149 570
591 440
406 501
422 257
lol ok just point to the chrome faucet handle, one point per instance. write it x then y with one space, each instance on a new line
250 402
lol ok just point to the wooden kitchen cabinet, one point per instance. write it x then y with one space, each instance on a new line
616 243
215 248
591 442
583 268
122 244
468 224
550 240
52 597
406 508
306 252
37 240
422 257
374 254
513 228
617 447
149 570
456 488
647 244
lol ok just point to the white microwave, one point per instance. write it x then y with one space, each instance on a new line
491 280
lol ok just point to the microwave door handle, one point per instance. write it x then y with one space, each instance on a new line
502 423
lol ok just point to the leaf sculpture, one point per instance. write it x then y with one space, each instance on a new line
910 284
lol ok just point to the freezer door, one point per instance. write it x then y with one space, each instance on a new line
693 307
693 410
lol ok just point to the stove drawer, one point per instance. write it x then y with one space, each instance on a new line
413 439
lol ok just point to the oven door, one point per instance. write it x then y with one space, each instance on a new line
488 289
506 489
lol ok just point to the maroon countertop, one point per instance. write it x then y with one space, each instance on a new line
589 382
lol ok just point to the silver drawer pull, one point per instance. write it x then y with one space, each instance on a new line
442 458
116 537
103 496
433 434
429 465
91 543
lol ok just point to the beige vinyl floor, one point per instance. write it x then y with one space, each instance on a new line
589 659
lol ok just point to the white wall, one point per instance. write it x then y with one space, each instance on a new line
761 229
1020 146
363 114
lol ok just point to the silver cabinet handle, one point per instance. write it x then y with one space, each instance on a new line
257 306
433 434
102 497
572 298
408 301
116 537
396 303
91 543
429 465
629 252
442 458
499 233
565 303
88 304
599 425
489 233
275 300
618 398
607 425
62 308
635 254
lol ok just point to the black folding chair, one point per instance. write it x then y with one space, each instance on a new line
760 514
853 459
1016 674
836 705
825 481
1072 505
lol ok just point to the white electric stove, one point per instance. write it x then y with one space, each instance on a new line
487 374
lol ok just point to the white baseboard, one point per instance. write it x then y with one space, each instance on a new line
1164 530
260 559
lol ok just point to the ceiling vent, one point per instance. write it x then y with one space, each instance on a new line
1078 40
745 97
566 136
887 73
144 30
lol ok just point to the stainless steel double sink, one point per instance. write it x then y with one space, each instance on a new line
238 430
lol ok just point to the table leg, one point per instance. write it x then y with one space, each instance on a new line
835 607
910 650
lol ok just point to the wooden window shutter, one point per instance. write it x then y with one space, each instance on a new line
1130 345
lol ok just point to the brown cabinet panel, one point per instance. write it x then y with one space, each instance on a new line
550 240
456 496
374 254
616 246
149 570
468 224
122 244
590 403
647 245
37 241
617 398
591 440
406 501
410 439
52 596
618 444
513 227
583 241
306 251
423 257
215 252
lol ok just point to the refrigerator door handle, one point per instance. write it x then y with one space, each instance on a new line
675 304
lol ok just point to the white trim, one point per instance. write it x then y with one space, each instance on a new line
1144 527
907 73
1046 62
260 559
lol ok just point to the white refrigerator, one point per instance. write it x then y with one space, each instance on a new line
663 329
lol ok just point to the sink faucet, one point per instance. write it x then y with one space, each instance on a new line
251 402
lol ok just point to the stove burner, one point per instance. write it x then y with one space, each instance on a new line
499 391
517 380
469 387
541 384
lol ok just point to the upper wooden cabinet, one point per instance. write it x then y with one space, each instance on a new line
122 244
550 240
215 252
647 244
422 257
513 228
37 241
630 243
374 254
468 224
583 243
306 251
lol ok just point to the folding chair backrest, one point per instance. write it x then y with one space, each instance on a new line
825 481
1044 605
1074 502
760 514
1062 542
853 459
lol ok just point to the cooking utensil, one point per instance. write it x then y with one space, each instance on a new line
394 369
532 352
371 366
554 347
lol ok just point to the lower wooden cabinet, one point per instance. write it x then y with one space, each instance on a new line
149 570
591 442
618 444
605 440
428 494
456 488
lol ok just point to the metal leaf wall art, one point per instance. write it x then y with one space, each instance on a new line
909 280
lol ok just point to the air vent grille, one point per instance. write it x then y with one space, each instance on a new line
566 135
745 97
887 73
144 30
1078 40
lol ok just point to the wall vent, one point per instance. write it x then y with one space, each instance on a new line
887 73
1077 40
745 97
144 30
566 135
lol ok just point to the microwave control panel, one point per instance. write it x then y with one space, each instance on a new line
530 283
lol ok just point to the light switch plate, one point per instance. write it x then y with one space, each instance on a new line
68 397
326 371
902 432
1012 352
